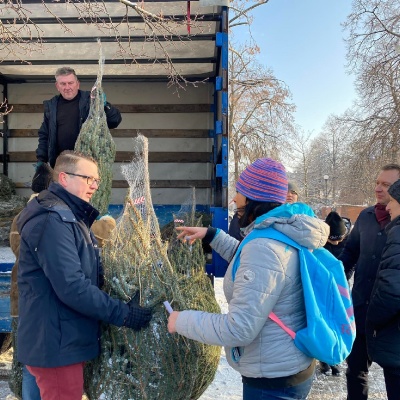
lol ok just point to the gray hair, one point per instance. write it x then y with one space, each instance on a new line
65 71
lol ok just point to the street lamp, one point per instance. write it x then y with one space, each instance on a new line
326 177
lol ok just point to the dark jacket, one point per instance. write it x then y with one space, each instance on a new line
362 253
335 249
47 148
383 316
60 304
234 228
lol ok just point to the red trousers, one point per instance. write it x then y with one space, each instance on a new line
60 383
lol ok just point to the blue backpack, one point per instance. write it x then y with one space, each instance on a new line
330 330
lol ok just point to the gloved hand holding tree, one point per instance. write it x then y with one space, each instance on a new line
138 317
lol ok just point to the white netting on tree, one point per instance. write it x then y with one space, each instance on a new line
151 364
95 140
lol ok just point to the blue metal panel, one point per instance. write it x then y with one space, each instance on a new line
218 83
219 210
5 283
219 220
218 127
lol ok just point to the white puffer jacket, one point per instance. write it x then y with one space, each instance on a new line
268 279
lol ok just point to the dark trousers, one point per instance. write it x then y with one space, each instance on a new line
299 391
392 381
358 364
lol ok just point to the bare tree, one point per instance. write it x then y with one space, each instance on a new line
298 155
373 53
374 32
260 111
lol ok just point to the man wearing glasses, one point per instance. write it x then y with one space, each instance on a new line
59 275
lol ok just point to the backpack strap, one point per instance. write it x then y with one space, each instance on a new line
278 321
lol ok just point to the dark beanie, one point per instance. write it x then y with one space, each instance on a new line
264 180
292 187
337 226
42 178
394 190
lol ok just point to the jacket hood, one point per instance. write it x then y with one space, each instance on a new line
298 222
41 204
32 209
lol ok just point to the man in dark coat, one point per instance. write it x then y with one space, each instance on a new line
383 315
60 302
362 253
64 115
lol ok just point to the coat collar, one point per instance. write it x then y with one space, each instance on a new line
82 209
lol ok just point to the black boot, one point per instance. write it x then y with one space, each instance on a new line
324 368
335 370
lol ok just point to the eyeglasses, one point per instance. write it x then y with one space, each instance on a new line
89 179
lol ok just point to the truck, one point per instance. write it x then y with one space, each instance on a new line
166 70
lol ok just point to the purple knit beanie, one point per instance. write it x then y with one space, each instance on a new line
264 180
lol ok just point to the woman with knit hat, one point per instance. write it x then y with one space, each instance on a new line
383 315
266 280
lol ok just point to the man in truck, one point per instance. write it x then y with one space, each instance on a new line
64 115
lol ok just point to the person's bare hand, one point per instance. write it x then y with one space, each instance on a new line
191 233
172 321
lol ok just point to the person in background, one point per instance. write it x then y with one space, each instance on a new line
64 115
268 279
362 253
383 314
59 274
234 227
337 233
292 194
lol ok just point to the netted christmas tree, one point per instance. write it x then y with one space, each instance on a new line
95 140
151 364
15 377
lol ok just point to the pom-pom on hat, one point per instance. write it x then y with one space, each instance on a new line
264 180
394 190
337 226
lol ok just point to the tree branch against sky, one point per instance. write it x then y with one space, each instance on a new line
241 12
357 143
373 32
260 109
260 105
374 36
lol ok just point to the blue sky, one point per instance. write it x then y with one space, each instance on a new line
302 42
